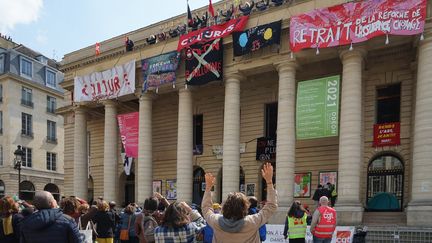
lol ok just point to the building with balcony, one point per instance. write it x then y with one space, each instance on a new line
186 131
29 96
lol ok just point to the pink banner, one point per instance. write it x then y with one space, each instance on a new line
129 129
356 22
212 32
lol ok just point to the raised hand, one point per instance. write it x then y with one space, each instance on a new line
267 173
210 181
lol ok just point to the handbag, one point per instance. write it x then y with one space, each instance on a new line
124 233
86 233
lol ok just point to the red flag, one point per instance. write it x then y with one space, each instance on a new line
97 48
189 15
210 9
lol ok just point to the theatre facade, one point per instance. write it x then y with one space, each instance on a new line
371 134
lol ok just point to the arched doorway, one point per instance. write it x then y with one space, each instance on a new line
53 188
129 189
2 189
27 191
198 187
242 186
385 183
263 182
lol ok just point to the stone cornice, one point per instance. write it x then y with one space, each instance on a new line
32 84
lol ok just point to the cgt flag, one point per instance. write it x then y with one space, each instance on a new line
204 62
254 39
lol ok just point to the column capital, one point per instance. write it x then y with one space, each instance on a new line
357 52
286 65
234 75
109 103
146 96
79 109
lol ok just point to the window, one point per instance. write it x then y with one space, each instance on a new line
26 97
26 68
2 63
197 134
1 122
1 92
50 78
26 124
51 131
271 111
388 104
27 190
51 161
51 104
27 157
1 155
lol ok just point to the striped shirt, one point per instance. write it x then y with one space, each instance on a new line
184 234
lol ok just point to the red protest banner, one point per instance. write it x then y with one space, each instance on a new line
356 22
129 128
212 32
343 236
387 134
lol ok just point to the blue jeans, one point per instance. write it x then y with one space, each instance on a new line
321 240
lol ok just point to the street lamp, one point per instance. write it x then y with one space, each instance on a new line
19 153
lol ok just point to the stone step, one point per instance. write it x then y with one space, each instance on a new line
384 218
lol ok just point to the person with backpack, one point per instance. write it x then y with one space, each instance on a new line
127 222
147 221
105 223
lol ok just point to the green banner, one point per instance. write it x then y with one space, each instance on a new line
318 108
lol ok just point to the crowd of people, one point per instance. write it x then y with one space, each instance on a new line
238 219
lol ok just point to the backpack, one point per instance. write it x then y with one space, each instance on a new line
149 225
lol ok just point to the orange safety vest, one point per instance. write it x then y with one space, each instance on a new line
327 223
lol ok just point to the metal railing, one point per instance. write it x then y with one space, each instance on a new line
398 235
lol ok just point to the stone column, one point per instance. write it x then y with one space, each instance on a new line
80 165
185 146
110 165
285 146
231 135
420 206
348 206
144 173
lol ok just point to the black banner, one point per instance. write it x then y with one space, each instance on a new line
204 62
256 38
266 149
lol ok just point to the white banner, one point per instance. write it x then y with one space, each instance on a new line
109 84
342 234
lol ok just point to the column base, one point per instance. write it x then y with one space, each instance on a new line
349 214
279 216
419 214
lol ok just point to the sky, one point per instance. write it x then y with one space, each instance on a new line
57 27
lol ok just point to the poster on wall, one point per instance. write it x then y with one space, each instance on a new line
387 134
160 69
171 189
256 38
204 63
128 127
250 190
302 184
109 84
356 22
266 149
317 110
157 186
327 176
